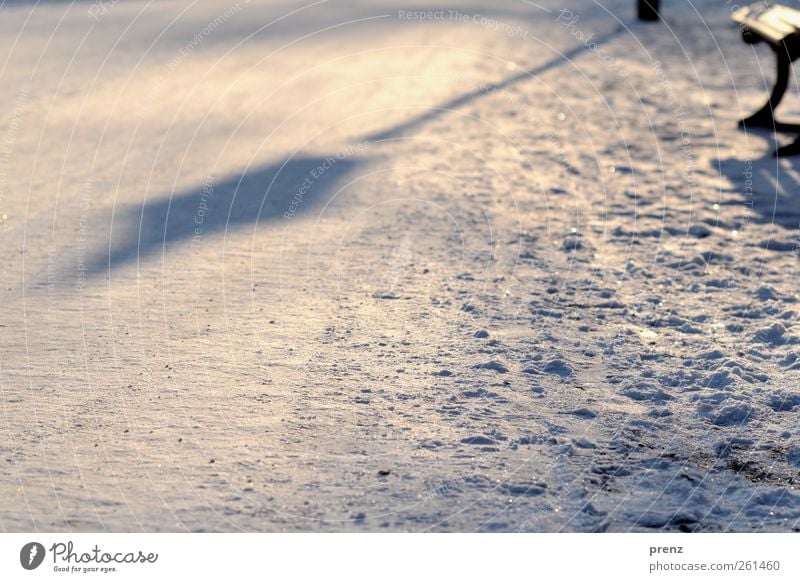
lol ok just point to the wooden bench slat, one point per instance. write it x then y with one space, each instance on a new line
789 15
774 24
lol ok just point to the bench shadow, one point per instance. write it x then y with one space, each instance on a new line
768 187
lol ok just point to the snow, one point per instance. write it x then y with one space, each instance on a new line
282 267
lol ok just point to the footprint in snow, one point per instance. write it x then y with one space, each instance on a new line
719 379
731 415
767 293
555 367
793 456
493 365
522 489
659 413
478 440
781 246
775 335
584 413
783 401
583 443
480 393
790 362
644 390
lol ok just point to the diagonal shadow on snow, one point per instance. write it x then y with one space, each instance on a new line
434 112
267 193
769 188
276 191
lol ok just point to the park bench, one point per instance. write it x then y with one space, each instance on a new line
779 27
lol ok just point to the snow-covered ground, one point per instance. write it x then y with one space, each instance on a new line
281 266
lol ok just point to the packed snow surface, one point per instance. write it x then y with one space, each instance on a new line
367 266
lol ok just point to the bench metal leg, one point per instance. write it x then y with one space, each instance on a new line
765 117
791 149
